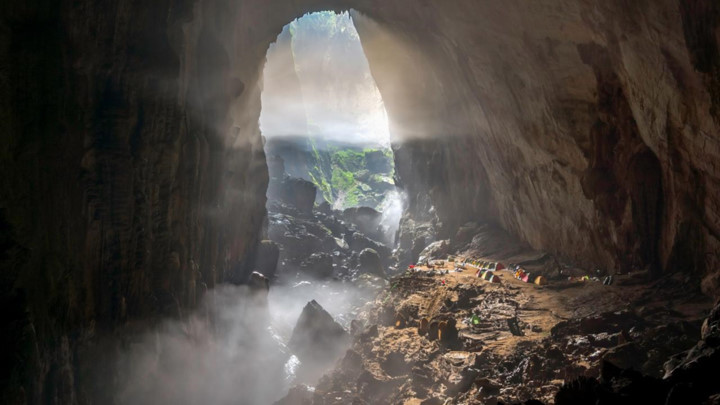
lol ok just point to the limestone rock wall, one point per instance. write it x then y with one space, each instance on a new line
127 188
589 129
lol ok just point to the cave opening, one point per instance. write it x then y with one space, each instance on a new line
332 203
327 142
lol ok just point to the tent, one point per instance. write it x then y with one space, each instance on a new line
500 266
540 280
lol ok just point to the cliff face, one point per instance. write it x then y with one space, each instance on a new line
127 190
133 175
587 129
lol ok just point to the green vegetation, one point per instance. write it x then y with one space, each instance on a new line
352 176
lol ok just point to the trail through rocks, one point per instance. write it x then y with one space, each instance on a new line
511 341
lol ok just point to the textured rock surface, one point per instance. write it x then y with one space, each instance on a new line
127 187
588 129
133 174
369 262
299 193
317 337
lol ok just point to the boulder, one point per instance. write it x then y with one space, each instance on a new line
434 250
369 262
317 338
297 192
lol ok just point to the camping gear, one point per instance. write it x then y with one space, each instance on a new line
526 278
500 266
540 280
475 320
400 321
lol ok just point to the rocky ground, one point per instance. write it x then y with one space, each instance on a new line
439 334
635 341
318 242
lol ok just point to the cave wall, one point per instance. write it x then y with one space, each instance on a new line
588 129
127 188
133 176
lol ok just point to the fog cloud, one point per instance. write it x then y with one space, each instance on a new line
317 82
232 349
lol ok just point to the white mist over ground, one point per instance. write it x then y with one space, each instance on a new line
317 83
232 349
392 209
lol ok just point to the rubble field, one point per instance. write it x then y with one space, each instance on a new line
443 335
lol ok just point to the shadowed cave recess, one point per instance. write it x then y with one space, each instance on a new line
554 167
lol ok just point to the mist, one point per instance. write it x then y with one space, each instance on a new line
232 349
392 209
317 83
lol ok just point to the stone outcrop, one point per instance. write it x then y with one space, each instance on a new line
317 337
581 132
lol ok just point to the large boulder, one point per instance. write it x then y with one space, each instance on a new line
369 263
297 192
436 250
317 338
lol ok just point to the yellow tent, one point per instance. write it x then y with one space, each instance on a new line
540 280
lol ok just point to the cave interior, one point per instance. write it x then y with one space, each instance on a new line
537 219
